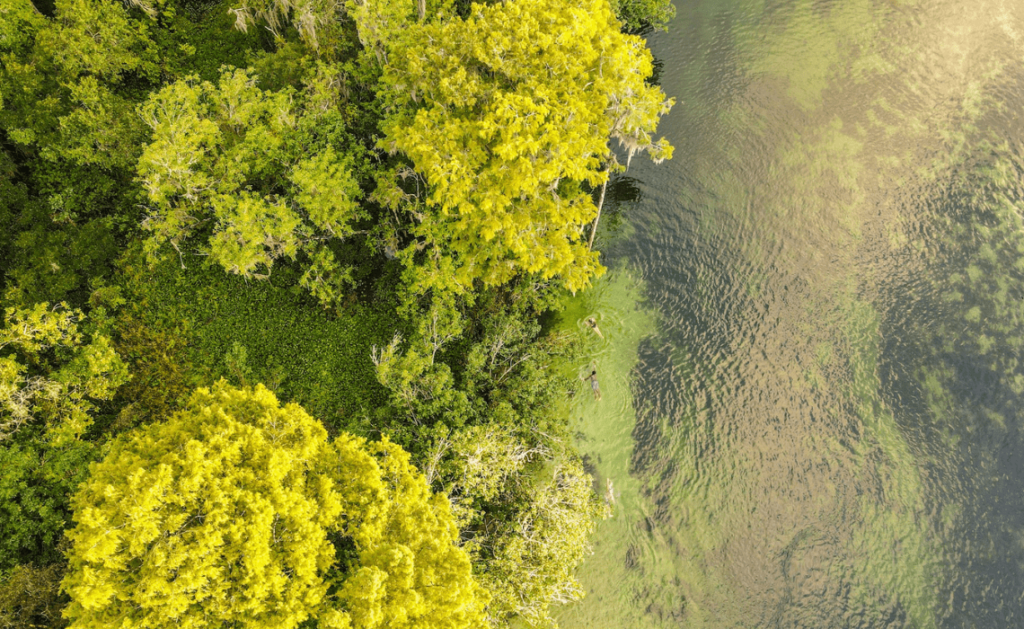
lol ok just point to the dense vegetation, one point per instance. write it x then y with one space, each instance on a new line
364 210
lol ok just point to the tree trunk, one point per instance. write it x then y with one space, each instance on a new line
422 6
600 204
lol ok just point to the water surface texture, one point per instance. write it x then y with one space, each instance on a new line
813 327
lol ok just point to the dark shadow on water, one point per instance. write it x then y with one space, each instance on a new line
949 379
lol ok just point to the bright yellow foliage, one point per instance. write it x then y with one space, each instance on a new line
505 115
411 573
225 516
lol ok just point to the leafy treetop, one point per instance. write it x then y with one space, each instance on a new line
50 374
506 115
261 175
240 511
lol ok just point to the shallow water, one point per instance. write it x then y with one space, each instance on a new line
812 363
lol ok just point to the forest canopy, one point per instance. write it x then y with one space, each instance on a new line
276 279
240 511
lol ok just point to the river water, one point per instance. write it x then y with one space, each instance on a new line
813 326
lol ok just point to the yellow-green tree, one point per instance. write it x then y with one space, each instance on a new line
535 556
507 118
49 374
56 371
59 80
257 175
239 512
410 573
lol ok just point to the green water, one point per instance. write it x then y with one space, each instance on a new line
813 330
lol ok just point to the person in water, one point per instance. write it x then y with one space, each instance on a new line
594 386
609 492
592 322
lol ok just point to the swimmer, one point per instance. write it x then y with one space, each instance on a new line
594 386
592 322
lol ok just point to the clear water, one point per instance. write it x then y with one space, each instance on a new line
812 359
